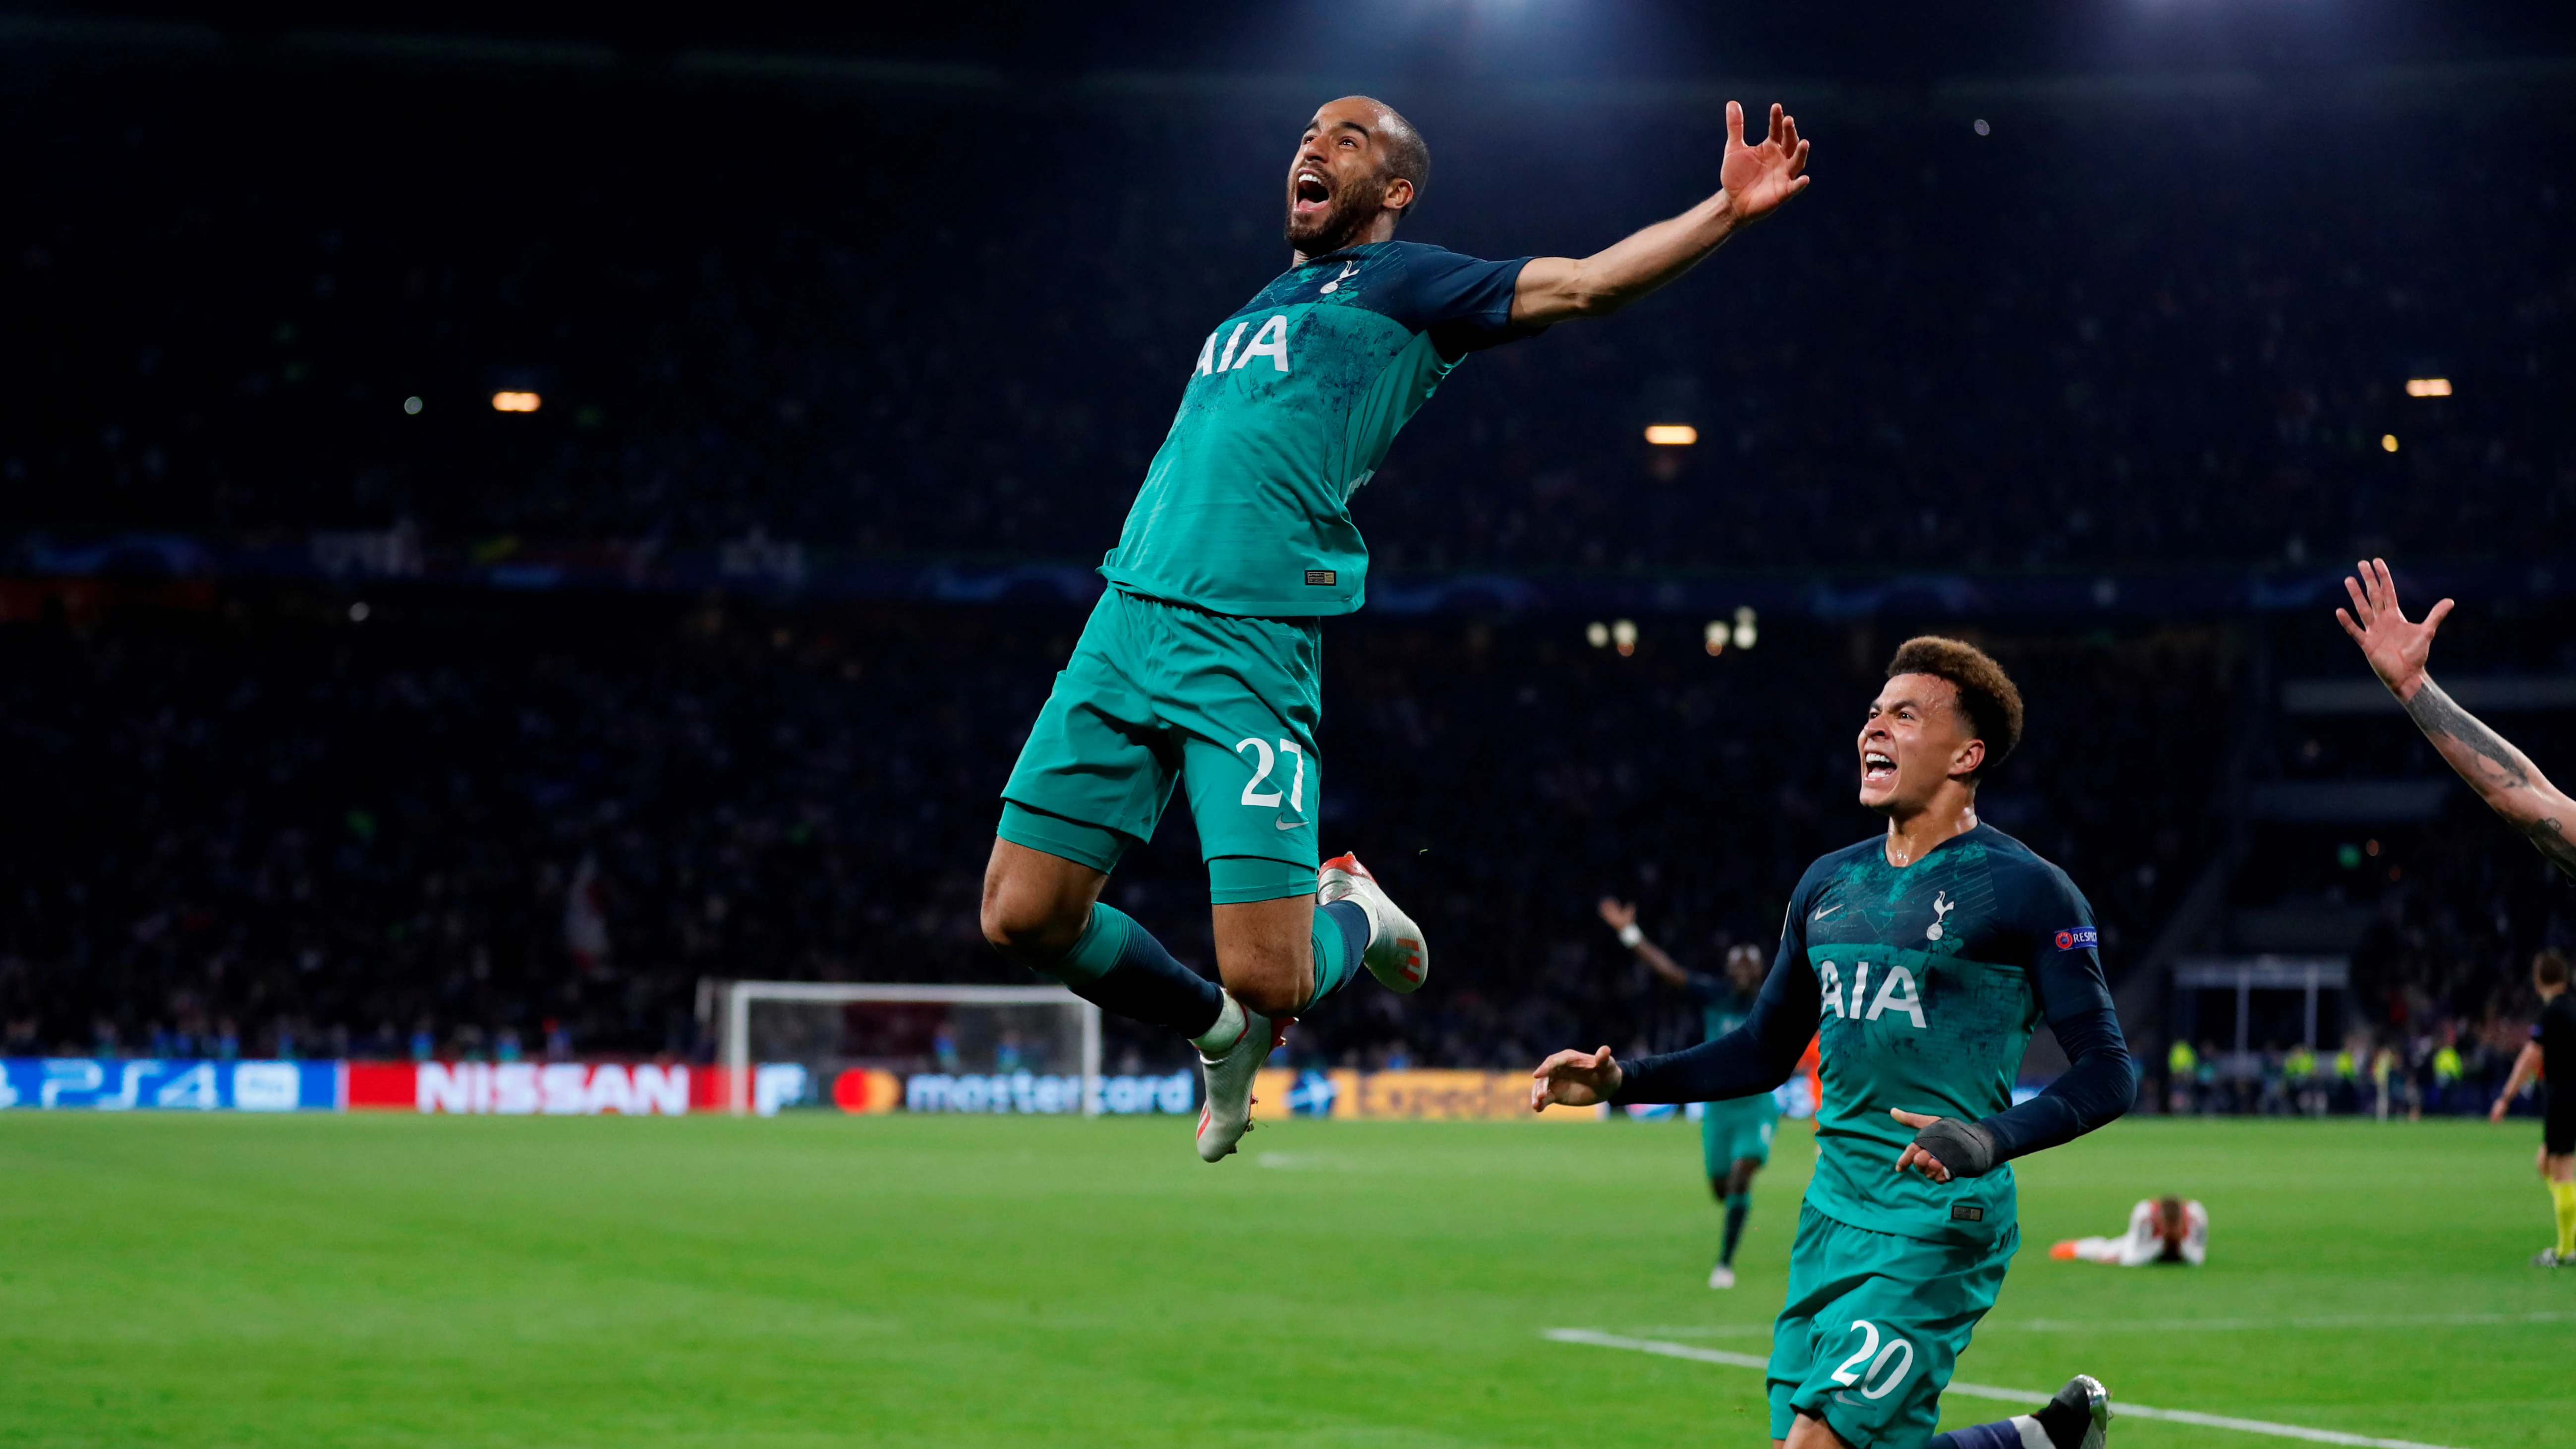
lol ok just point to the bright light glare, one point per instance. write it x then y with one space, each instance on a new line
1672 435
2388 442
411 406
1597 634
1746 634
1624 634
514 402
2428 387
1713 638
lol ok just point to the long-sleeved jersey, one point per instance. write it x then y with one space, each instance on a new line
1923 985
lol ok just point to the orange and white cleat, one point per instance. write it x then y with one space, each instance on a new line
1397 955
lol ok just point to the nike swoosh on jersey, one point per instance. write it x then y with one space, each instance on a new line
1827 911
1289 824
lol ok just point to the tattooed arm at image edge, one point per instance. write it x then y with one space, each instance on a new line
2502 769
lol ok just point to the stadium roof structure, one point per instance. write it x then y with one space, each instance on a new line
1862 62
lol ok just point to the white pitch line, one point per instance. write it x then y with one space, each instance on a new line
2179 1325
1988 1391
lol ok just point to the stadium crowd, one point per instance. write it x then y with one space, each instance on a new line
475 821
265 306
477 825
2037 345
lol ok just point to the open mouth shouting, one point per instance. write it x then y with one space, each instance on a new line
1309 195
1877 768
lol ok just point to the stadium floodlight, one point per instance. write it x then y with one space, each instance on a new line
515 402
2388 442
1597 634
2428 387
1043 1041
1624 634
1713 637
1672 435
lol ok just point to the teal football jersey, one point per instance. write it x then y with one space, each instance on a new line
1926 999
1291 406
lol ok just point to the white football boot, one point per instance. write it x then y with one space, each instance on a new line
1721 1276
1396 955
1227 1114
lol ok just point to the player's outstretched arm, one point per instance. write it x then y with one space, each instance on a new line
1755 1057
2503 776
1621 916
1753 182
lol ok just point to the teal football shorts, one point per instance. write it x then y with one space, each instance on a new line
1738 1129
1158 693
1873 1326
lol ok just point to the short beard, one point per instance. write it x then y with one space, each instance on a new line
1341 227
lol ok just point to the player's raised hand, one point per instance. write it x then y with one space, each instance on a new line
2395 647
1620 914
1575 1079
1761 178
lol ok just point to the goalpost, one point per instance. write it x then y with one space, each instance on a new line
1003 1031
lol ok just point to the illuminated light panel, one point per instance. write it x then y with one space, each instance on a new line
515 402
1672 435
2388 442
2428 387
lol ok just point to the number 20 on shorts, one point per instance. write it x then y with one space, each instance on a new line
1263 764
1876 1370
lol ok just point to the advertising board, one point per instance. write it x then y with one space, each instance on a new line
94 1084
1404 1096
673 1089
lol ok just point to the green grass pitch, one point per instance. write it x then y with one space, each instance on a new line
394 1281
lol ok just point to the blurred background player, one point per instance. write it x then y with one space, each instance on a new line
2513 787
1202 664
2161 1230
1920 959
2553 1039
1734 1137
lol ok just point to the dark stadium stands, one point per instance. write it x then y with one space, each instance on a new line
339 830
890 322
899 324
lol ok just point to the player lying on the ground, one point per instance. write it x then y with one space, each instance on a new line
2398 650
1734 1137
1202 665
2161 1230
1922 959
2553 1039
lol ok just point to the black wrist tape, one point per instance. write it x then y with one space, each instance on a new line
1965 1148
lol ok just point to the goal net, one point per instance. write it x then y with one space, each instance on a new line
788 1044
